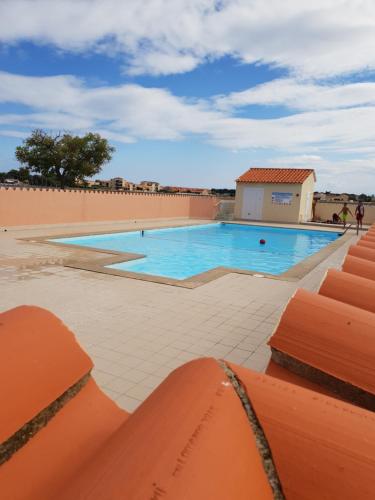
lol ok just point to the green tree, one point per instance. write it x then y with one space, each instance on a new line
12 174
22 174
364 197
64 158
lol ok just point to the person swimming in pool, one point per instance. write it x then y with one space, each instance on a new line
345 211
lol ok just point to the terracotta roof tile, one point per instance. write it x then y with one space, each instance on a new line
362 252
276 175
198 445
364 243
349 288
322 447
368 237
39 360
277 371
360 267
333 337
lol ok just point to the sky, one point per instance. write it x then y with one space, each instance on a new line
195 92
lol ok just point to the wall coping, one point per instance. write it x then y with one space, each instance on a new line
331 202
101 191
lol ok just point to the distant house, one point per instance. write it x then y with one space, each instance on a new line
186 190
120 184
115 184
151 186
275 194
344 197
101 184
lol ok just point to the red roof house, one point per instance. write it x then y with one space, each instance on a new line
275 194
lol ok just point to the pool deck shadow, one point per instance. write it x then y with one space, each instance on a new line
99 265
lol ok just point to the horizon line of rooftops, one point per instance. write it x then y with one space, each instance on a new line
121 184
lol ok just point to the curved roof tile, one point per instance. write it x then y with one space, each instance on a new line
333 337
277 175
349 288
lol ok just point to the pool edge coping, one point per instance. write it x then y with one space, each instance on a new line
295 273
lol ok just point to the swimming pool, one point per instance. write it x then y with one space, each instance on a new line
183 252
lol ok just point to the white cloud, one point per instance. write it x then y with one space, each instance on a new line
128 113
349 175
301 95
157 63
296 160
13 133
319 39
114 136
132 112
338 129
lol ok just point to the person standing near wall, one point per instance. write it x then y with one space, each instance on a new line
359 214
345 211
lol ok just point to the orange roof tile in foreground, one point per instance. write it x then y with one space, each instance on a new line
192 439
334 338
364 243
360 267
45 465
362 252
189 439
39 360
183 441
368 237
276 175
349 288
275 370
322 447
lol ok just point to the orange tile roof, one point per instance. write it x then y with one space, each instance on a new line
360 267
321 447
186 454
362 252
333 337
349 288
39 360
276 175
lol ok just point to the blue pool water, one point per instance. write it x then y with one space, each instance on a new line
180 253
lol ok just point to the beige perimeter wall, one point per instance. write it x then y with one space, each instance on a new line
25 206
325 209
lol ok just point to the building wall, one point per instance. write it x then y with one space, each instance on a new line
325 209
272 212
25 206
307 187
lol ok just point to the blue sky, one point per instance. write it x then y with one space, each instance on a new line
195 92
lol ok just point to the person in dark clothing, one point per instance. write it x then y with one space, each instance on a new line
336 219
359 214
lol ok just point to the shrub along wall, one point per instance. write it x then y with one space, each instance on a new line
26 206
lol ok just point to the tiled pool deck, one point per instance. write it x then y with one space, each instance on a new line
138 331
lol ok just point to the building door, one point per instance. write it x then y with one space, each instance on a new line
308 208
252 203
